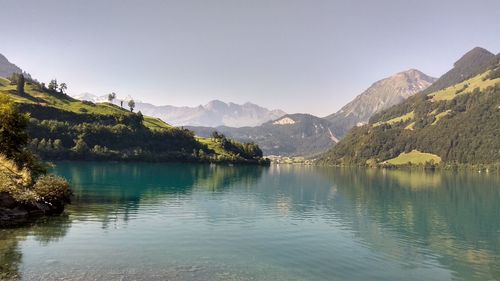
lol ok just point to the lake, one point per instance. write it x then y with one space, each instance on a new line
137 221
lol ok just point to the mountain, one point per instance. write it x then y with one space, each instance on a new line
303 134
290 135
456 124
7 68
473 62
213 114
379 96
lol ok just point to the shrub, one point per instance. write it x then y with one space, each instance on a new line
52 189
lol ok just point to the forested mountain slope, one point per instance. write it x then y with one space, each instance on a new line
459 124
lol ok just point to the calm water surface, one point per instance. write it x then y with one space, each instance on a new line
196 222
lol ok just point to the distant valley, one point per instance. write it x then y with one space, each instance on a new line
290 135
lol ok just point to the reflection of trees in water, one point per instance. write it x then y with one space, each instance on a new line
219 178
43 230
403 214
112 192
454 215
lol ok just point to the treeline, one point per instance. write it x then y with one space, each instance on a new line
62 135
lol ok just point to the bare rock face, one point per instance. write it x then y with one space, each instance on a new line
379 96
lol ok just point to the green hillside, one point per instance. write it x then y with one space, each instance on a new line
458 124
63 128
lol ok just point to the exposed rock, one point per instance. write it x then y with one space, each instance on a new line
379 96
15 213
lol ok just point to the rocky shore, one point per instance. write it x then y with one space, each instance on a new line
14 213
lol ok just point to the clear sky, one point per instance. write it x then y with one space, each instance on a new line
300 56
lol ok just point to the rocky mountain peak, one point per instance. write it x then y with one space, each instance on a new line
379 96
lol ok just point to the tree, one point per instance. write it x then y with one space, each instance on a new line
20 84
53 85
80 146
63 87
217 136
14 138
131 104
111 97
58 146
13 124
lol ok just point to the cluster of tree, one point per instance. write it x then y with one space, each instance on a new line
20 79
245 150
131 103
467 134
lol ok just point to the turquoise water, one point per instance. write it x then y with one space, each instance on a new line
199 222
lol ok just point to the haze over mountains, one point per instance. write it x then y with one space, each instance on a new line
213 114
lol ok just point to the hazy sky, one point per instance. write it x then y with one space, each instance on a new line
301 56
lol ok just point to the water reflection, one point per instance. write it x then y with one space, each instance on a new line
42 230
288 221
107 191
406 214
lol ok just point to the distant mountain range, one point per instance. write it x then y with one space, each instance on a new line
304 134
379 96
213 114
292 134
